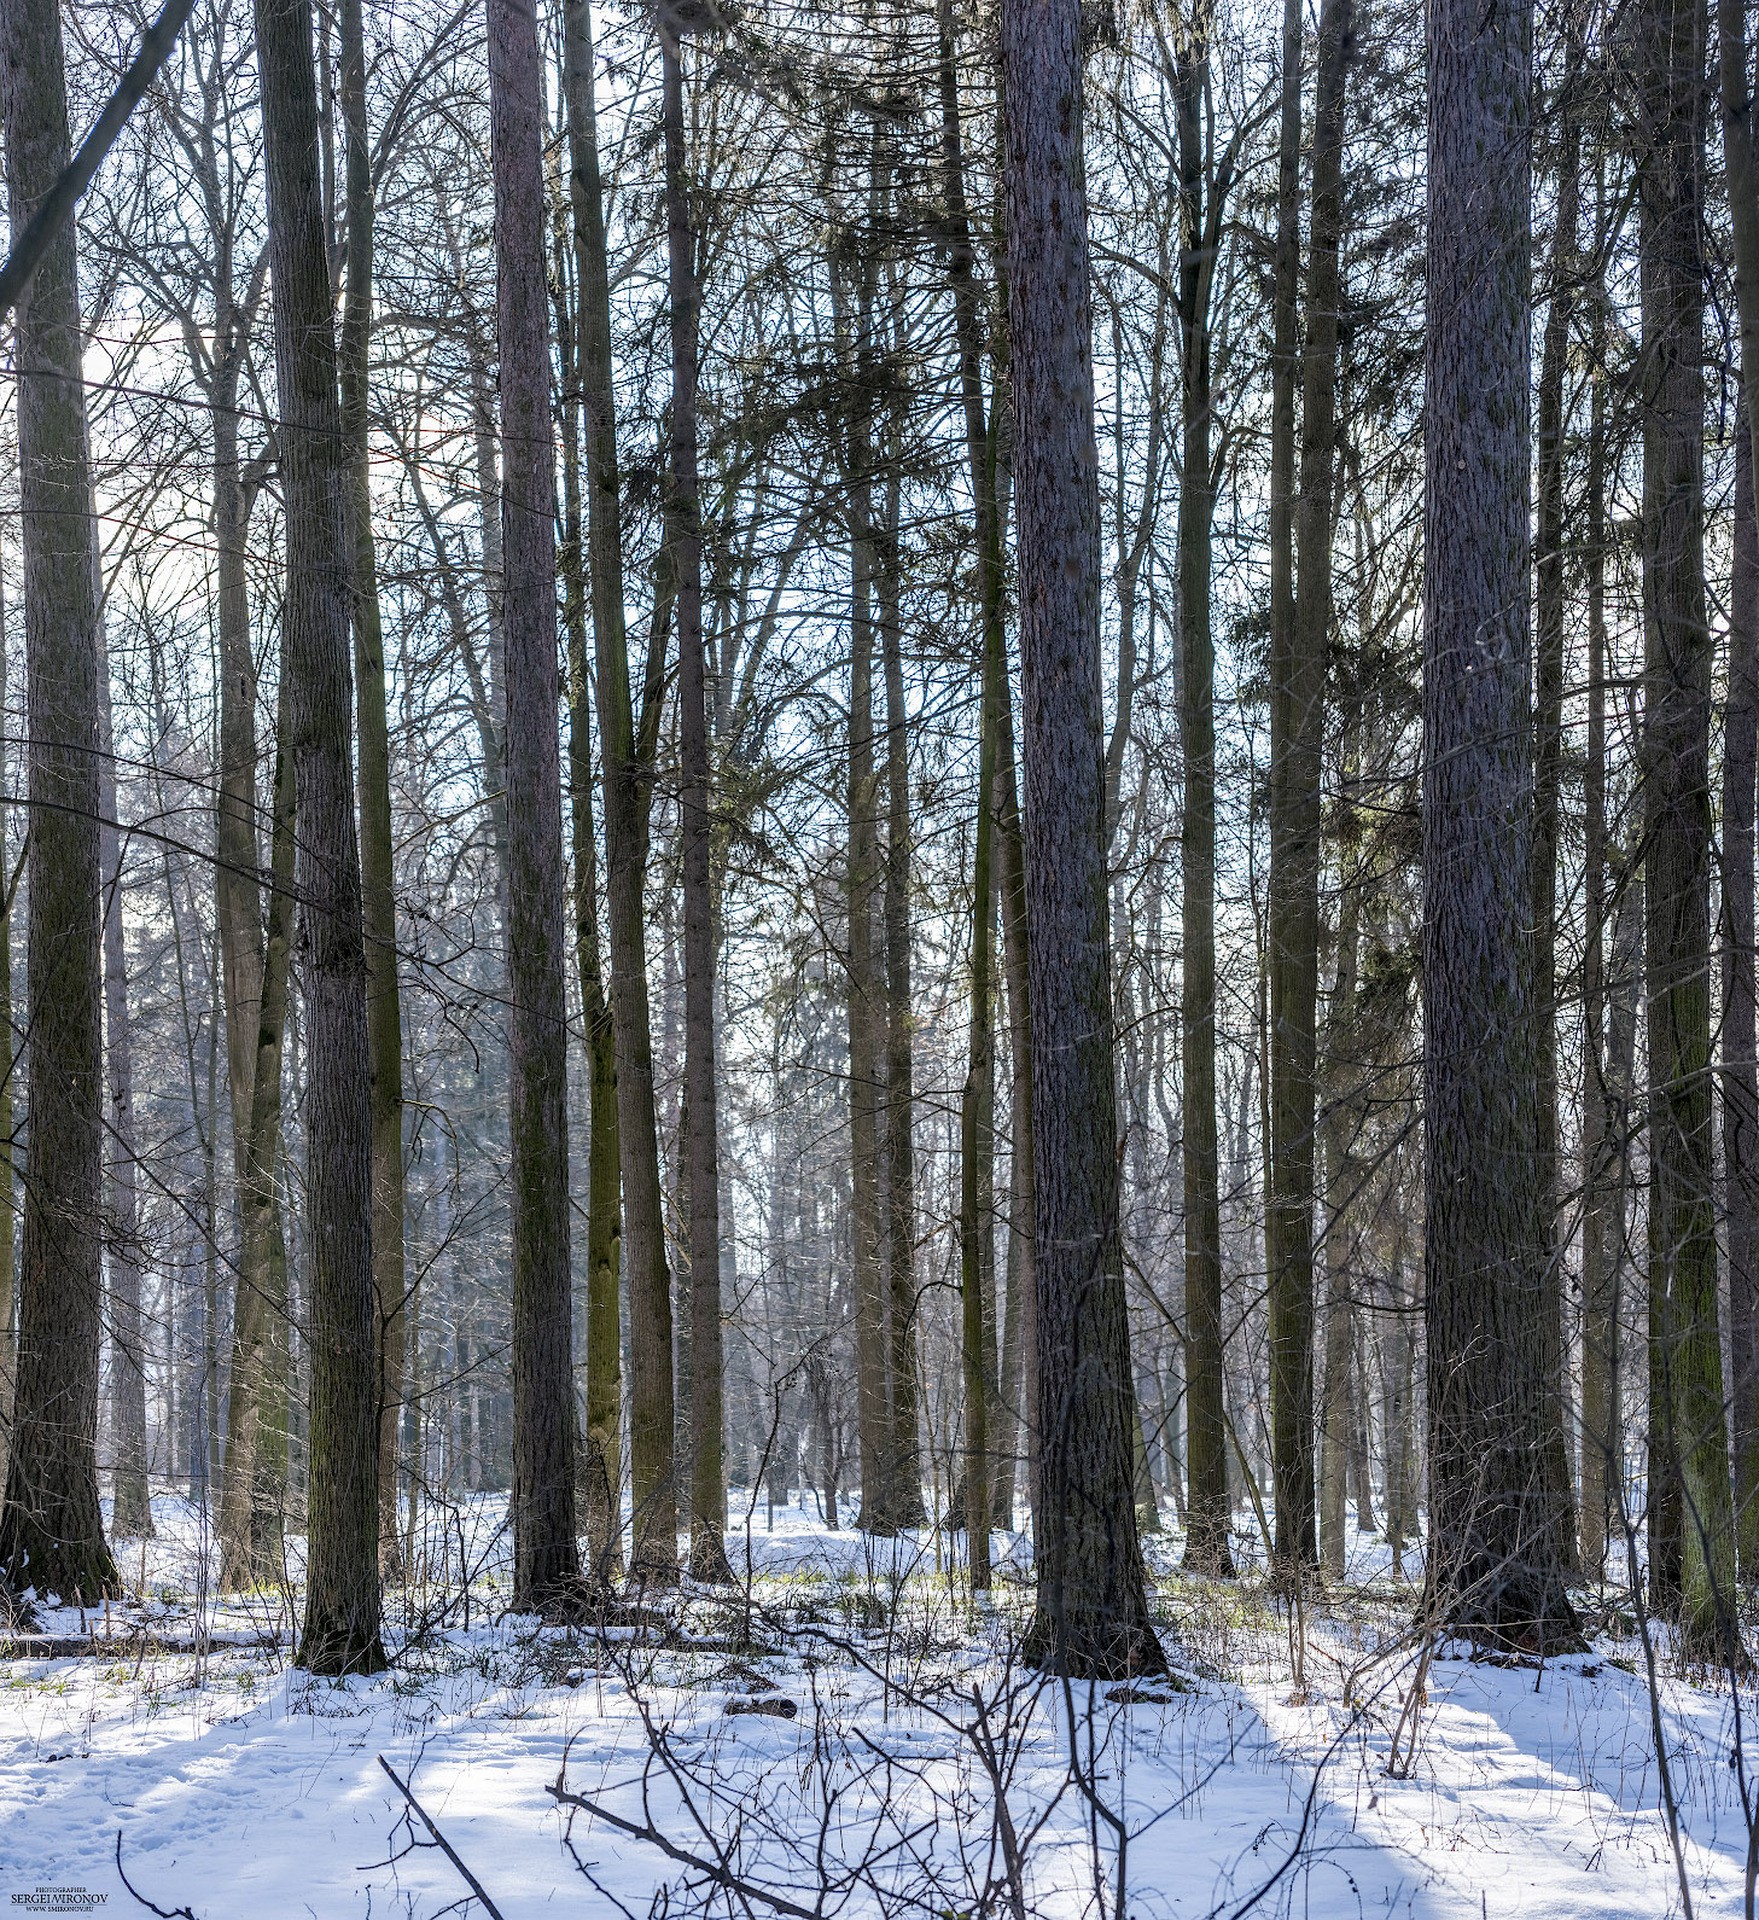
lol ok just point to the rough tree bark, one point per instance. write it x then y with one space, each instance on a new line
1548 684
1297 740
1692 1553
1740 143
131 1514
1091 1617
1494 1569
546 1562
384 1016
1206 1542
708 1492
340 1633
598 1469
642 1255
51 1531
1740 1030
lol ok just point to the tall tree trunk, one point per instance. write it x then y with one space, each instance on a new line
866 1038
1495 1571
598 1471
1548 634
998 797
51 1530
1342 1174
1290 1286
8 1063
904 1495
1740 138
384 1017
341 1628
1602 1160
1207 1549
708 1493
1692 1550
546 1564
1091 1618
131 1514
1297 741
643 1251
1740 1031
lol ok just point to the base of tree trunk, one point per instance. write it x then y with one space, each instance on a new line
1513 1613
79 1572
333 1646
708 1558
1207 1552
1098 1647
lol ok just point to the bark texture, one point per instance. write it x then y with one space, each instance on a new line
1494 1569
546 1559
340 1633
1691 1545
1091 1617
51 1532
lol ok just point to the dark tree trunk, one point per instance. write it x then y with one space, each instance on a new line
904 1492
51 1531
341 1629
598 1465
384 1016
1740 139
1206 1547
1547 783
1740 1031
708 1492
1602 1156
546 1563
131 1514
1297 740
1495 1571
1092 1612
642 1255
1692 1549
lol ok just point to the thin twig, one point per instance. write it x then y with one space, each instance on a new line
445 1845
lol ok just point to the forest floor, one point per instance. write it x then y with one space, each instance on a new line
918 1758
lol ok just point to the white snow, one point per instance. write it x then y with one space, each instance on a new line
241 1788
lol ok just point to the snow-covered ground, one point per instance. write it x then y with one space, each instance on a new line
240 1788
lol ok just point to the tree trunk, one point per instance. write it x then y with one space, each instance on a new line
341 1628
1547 781
1091 1618
8 1248
51 1530
546 1564
904 1495
1692 1550
1206 1549
131 1512
708 1492
1740 1031
1740 139
384 1018
997 797
1297 740
598 1465
1601 1152
1343 1172
1495 1571
642 1255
